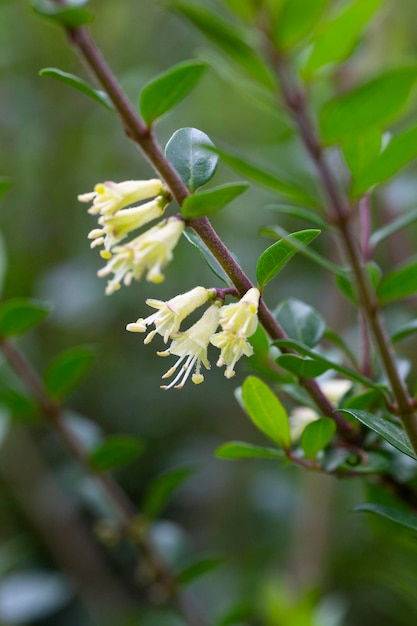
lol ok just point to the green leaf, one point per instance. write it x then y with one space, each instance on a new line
228 38
242 450
114 452
374 104
405 331
389 431
401 283
19 315
242 8
266 411
162 488
274 259
300 321
376 463
5 184
301 213
68 16
190 151
296 20
303 368
335 338
207 255
316 436
409 520
67 369
78 83
360 151
195 570
347 283
336 40
167 90
386 231
206 202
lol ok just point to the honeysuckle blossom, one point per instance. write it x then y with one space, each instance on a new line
241 318
150 251
110 197
232 348
191 348
171 313
335 389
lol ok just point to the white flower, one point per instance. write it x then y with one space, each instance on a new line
241 318
335 389
150 251
117 226
110 197
232 347
300 418
191 346
170 314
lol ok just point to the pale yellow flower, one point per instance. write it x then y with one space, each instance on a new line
335 389
110 197
232 348
241 318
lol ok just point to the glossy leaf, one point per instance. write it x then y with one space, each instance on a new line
300 322
389 431
190 151
5 184
316 436
68 16
79 84
303 368
211 200
296 19
207 255
164 92
401 283
195 570
266 411
274 259
337 38
409 520
162 489
374 104
114 452
67 369
242 450
389 229
19 315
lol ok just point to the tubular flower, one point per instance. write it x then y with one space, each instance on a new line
191 346
232 347
117 226
170 314
150 251
110 197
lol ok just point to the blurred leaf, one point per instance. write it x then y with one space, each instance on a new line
409 520
405 331
5 422
210 200
336 40
67 369
296 20
300 213
374 104
243 8
114 452
228 38
274 258
5 184
19 315
195 570
162 489
389 431
189 152
401 283
389 229
238 615
79 84
69 16
376 463
303 368
316 436
266 411
300 321
22 406
207 255
360 151
347 282
164 92
335 338
242 450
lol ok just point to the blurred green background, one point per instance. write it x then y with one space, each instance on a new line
287 539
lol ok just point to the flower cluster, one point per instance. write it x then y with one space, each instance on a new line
150 251
238 322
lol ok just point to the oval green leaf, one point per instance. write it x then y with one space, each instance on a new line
300 321
79 84
206 202
316 436
303 368
195 570
19 315
114 452
68 16
191 153
162 489
266 411
395 515
242 450
401 283
196 241
296 20
67 369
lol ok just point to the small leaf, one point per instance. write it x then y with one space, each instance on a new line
164 92
401 283
206 202
242 450
300 321
347 283
409 520
316 436
374 104
196 241
389 229
79 84
5 184
301 213
274 259
190 151
296 20
389 431
67 369
19 315
195 570
405 331
303 368
68 16
376 463
266 411
163 487
114 452
360 151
